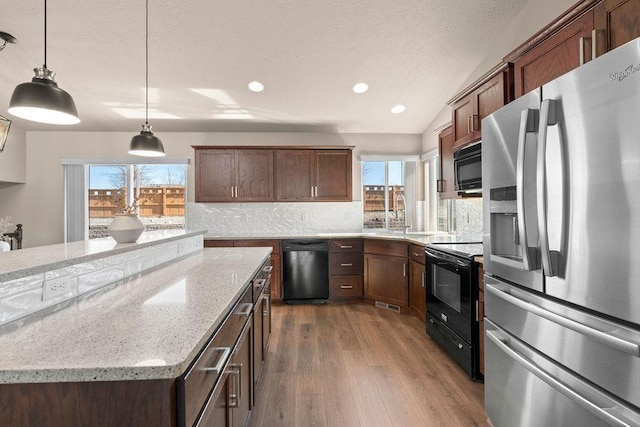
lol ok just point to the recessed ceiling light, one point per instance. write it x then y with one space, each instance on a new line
256 87
397 109
360 87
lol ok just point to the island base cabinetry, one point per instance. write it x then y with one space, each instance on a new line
104 403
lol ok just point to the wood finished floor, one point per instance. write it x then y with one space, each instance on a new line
356 365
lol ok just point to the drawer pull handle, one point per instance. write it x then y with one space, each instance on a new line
236 385
267 301
346 287
226 351
346 246
259 283
346 264
416 254
248 308
268 269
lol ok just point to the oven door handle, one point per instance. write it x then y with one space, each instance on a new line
440 260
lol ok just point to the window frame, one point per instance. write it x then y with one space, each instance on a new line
76 189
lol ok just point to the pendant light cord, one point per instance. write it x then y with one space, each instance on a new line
45 35
146 64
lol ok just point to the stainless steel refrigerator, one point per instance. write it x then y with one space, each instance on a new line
561 201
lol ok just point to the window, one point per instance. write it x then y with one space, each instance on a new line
97 190
156 191
383 195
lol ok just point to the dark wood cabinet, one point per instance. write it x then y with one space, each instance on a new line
481 316
345 268
313 175
417 284
234 175
386 272
467 112
562 52
446 189
615 23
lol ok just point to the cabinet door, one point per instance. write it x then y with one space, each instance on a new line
214 175
240 378
446 182
462 121
418 292
258 329
385 279
216 411
488 98
295 175
254 175
554 57
266 322
616 22
333 175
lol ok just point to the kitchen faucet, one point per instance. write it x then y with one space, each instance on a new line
400 196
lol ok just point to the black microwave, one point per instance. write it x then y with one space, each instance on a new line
467 166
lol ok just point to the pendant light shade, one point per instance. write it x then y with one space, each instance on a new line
41 100
146 144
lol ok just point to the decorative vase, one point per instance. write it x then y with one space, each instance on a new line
125 228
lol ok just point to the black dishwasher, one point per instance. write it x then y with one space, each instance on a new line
305 271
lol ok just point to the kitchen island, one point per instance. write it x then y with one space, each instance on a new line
114 353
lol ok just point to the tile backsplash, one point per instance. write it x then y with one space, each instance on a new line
26 295
468 218
275 219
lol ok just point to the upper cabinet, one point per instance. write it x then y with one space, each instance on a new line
615 22
566 50
584 32
267 174
446 182
313 175
491 92
228 175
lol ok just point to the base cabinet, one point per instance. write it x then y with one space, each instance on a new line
417 281
345 268
481 318
386 272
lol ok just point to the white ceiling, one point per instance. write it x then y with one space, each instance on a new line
203 53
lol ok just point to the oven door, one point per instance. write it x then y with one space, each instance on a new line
449 291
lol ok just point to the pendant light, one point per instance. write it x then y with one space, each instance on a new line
41 100
146 144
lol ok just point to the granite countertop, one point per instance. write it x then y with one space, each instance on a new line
150 327
25 262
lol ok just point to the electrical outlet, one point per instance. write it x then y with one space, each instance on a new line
55 287
305 216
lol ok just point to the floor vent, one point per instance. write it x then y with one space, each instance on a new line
388 306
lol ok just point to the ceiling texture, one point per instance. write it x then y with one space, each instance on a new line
203 53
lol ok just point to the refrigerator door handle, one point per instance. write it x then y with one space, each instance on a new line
528 119
606 413
550 259
598 335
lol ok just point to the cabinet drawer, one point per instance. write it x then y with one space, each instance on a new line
381 247
194 386
347 263
346 245
345 286
416 253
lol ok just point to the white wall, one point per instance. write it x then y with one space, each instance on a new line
534 16
38 204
